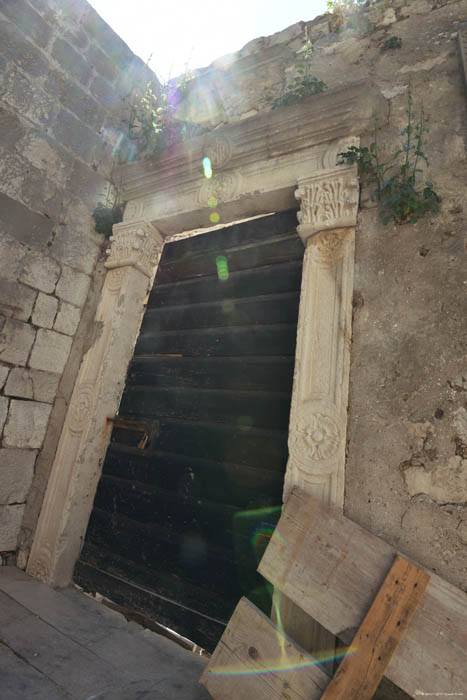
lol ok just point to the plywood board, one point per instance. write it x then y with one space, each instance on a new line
384 625
253 660
332 568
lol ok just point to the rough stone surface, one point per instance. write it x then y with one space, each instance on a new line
16 472
26 424
16 300
50 351
16 339
32 384
3 374
73 286
67 319
45 310
10 523
40 271
3 412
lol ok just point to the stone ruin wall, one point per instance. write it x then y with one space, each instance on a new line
406 472
63 74
406 477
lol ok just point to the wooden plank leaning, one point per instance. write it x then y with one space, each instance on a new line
253 660
332 568
386 622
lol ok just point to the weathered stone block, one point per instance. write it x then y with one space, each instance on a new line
101 63
3 412
19 222
77 247
16 339
71 61
19 383
67 319
40 271
45 311
11 127
26 424
32 384
22 52
87 185
105 93
3 374
50 351
71 132
13 254
75 99
16 300
73 286
16 472
25 96
10 523
28 20
48 157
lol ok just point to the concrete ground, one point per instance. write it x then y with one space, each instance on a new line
62 645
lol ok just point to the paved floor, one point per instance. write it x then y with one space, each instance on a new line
62 645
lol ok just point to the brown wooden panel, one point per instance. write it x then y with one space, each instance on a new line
253 661
386 622
332 569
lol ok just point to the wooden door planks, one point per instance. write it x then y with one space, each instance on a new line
384 625
332 568
253 660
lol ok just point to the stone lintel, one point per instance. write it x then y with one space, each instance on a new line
329 116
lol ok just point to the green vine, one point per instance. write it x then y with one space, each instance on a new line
396 182
304 83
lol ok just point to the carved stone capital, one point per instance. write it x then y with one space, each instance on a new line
136 244
328 201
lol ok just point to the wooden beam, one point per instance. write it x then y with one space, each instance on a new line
332 568
254 660
384 625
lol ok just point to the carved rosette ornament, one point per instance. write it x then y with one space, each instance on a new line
219 150
317 437
327 202
137 244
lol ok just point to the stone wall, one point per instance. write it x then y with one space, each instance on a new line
64 75
406 473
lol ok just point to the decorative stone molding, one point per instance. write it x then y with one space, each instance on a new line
318 417
134 253
327 202
218 148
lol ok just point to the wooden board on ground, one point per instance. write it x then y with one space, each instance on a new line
384 625
333 568
253 660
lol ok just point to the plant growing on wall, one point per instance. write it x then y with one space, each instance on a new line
396 182
152 124
304 83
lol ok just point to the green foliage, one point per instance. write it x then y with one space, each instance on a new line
304 84
396 182
345 5
152 124
106 216
394 42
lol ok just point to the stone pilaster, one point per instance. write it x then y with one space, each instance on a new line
318 418
133 257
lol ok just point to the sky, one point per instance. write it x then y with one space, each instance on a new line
192 33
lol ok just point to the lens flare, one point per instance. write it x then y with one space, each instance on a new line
212 202
289 663
207 167
214 217
222 267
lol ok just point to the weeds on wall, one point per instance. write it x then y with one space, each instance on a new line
396 182
152 124
304 83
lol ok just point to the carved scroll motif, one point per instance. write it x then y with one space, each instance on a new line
219 150
134 244
327 203
223 186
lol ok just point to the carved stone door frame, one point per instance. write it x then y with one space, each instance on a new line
260 165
